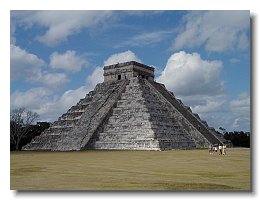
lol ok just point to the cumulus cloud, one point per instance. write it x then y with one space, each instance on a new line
24 64
188 74
95 78
32 98
54 108
122 57
205 103
198 84
235 117
60 24
217 30
47 103
195 81
68 61
227 121
43 101
241 105
27 66
53 80
147 38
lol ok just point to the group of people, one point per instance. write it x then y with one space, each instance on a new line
220 149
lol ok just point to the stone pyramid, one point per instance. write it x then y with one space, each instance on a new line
129 111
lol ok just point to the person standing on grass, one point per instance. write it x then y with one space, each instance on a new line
210 149
224 149
220 149
214 149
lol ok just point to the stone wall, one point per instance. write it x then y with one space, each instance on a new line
128 70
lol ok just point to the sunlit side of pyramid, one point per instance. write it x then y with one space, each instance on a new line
128 111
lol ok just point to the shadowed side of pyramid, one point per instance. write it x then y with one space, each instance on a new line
127 111
193 118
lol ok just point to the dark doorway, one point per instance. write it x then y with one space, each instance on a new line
119 77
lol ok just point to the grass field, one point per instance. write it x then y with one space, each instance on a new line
131 170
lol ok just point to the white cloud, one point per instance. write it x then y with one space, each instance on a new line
68 61
43 101
217 30
228 121
236 117
51 110
147 38
24 64
234 60
195 81
95 78
12 33
188 74
205 103
53 80
31 99
60 24
198 84
122 57
241 106
47 104
28 67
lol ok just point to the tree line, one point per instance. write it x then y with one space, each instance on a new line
238 138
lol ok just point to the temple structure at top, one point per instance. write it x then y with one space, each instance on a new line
128 70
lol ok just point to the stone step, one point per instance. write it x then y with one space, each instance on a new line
120 111
128 145
77 108
118 139
131 133
113 123
70 116
145 131
64 123
128 128
139 102
61 129
129 115
129 118
130 96
123 137
85 100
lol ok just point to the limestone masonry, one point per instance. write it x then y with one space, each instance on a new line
130 111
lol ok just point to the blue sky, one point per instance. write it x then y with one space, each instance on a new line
201 56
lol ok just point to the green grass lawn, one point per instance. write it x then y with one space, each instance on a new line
131 170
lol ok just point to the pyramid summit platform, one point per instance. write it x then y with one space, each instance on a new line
128 111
